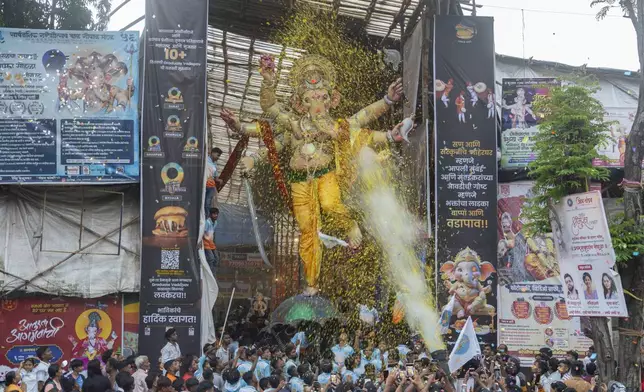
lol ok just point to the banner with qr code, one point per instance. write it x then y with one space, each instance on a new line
172 173
69 106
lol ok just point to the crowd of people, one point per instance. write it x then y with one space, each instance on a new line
239 364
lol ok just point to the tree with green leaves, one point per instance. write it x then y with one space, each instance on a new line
572 126
632 269
55 14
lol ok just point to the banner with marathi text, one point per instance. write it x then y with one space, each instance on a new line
518 120
69 106
532 312
174 134
586 256
71 327
466 172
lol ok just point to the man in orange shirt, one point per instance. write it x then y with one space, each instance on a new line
171 368
209 240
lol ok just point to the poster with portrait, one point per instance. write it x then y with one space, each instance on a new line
174 135
615 149
466 172
585 253
69 103
70 327
532 313
518 120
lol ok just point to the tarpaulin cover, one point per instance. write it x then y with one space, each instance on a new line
89 274
36 234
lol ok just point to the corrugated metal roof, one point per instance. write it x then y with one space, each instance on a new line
238 37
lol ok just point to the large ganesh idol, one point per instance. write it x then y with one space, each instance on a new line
316 145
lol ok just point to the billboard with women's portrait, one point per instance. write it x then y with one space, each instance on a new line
586 256
69 103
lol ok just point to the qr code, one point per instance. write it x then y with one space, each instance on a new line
170 259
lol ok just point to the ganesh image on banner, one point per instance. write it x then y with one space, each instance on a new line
464 277
91 85
320 150
94 329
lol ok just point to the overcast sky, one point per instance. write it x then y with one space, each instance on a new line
557 30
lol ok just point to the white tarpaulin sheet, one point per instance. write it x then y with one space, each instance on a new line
40 230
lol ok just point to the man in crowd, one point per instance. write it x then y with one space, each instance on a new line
42 370
171 368
263 368
142 366
164 385
564 369
213 179
572 356
575 381
205 386
125 381
76 366
488 356
96 381
214 378
171 350
223 352
191 384
591 355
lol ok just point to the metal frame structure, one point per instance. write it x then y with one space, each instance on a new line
82 227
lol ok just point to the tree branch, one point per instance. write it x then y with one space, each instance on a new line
632 15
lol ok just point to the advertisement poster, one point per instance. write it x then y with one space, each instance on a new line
518 121
71 327
466 172
616 148
130 323
69 105
585 253
173 169
532 313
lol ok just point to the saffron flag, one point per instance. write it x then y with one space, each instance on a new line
466 347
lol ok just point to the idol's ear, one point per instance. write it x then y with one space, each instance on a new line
448 269
486 270
335 99
296 103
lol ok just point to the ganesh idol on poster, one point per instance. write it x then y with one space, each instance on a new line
466 279
94 329
94 84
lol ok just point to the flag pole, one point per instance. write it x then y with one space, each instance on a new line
230 303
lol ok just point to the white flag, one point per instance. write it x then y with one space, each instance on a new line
446 316
466 347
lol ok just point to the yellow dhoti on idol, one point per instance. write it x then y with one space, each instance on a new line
310 198
321 150
314 194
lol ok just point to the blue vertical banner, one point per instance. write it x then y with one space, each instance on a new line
174 138
69 105
466 173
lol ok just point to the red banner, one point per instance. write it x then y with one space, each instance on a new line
71 327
